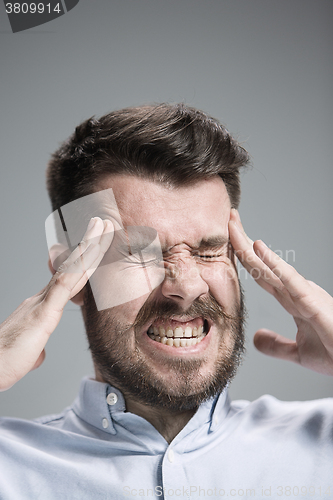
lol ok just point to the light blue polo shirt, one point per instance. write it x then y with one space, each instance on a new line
97 450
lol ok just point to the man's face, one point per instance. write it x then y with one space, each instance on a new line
181 343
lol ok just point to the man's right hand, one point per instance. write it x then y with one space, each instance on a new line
24 334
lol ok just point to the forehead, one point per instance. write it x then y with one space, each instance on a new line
179 215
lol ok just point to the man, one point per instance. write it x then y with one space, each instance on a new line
156 421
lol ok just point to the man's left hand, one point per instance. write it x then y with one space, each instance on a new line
310 306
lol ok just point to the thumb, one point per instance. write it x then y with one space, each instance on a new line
273 344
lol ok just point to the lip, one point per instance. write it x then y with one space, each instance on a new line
154 347
175 321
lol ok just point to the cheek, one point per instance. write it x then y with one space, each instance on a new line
222 279
122 282
127 313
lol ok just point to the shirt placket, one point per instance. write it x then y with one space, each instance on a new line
174 481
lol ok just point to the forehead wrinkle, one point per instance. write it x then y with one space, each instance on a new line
168 231
143 203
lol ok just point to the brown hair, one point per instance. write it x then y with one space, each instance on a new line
171 144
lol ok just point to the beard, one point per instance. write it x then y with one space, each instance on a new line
126 369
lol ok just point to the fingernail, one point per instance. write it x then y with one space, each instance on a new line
91 223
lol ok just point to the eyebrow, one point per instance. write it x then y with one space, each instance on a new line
211 243
137 244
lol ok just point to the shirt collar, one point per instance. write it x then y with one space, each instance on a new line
99 404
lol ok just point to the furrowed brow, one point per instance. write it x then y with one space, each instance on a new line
211 243
137 247
136 240
134 247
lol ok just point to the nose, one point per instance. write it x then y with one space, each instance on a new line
183 283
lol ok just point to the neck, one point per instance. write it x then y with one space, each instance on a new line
168 423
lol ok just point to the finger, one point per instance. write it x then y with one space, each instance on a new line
296 285
243 247
73 274
58 253
91 237
104 240
91 257
90 260
306 299
107 235
275 345
62 286
235 217
104 244
262 274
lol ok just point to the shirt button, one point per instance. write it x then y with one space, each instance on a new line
105 423
171 455
112 398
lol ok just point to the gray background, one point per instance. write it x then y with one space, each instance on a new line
263 67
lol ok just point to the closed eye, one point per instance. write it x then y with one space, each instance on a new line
209 257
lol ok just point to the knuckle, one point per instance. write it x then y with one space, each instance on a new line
60 281
28 301
279 291
278 273
62 268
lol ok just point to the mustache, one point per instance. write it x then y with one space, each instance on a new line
206 307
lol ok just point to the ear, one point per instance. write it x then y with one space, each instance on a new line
57 255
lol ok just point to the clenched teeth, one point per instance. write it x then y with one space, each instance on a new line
178 337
